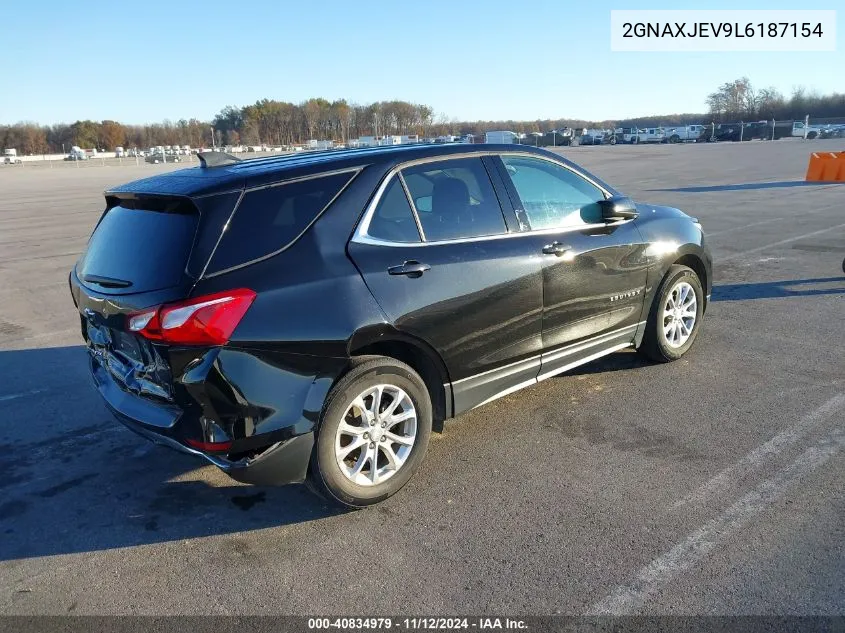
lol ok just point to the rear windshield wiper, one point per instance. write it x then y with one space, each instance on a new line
106 282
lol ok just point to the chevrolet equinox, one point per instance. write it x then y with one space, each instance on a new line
310 317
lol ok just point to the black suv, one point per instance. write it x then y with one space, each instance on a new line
311 317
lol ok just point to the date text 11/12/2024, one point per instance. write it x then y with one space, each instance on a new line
417 623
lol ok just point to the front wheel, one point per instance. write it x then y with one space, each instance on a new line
373 433
675 316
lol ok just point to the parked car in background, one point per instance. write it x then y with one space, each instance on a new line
499 137
832 131
726 132
683 133
313 316
161 157
802 130
10 157
77 153
630 135
652 135
592 136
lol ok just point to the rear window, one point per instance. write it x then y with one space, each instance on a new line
140 245
267 220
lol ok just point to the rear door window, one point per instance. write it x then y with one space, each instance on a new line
140 245
268 220
454 199
393 220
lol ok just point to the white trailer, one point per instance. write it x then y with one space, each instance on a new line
501 137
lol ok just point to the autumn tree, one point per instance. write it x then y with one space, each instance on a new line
112 134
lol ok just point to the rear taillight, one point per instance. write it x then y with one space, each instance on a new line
211 447
206 320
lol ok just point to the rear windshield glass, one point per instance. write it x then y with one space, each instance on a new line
140 245
269 219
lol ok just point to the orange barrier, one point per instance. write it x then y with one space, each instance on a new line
826 167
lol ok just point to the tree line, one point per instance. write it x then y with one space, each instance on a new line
277 123
739 100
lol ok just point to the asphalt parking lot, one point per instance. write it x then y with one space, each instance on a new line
713 485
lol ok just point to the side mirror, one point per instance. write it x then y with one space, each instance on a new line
618 208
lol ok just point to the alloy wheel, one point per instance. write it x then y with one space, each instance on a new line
679 314
376 435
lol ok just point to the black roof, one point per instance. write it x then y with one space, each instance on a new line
253 172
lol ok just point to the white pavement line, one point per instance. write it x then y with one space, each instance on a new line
23 394
629 598
773 244
760 455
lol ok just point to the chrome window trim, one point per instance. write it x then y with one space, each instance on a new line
361 236
367 239
354 171
412 206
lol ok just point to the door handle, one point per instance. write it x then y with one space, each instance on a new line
555 248
411 268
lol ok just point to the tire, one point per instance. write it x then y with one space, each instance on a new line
674 139
613 140
656 345
332 476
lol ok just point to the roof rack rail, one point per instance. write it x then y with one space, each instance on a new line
216 159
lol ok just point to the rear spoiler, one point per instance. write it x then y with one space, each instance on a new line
216 159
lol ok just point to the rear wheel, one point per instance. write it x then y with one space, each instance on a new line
675 316
373 433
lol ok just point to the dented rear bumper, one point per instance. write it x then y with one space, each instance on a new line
263 406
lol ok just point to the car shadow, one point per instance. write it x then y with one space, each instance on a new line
74 480
778 289
624 360
749 186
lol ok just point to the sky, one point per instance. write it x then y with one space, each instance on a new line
142 61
